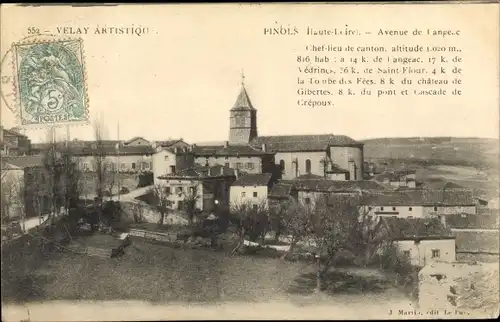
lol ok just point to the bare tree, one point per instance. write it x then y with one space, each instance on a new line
12 196
99 156
251 220
190 200
333 230
295 218
161 199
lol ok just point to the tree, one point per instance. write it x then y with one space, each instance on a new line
190 200
368 235
161 200
333 230
12 195
251 220
295 219
99 159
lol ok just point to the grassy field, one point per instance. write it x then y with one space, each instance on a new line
156 273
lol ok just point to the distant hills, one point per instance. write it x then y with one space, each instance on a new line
482 153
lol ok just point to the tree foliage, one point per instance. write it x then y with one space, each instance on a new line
251 220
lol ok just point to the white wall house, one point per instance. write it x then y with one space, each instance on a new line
426 251
251 188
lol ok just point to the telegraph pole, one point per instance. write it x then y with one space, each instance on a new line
118 158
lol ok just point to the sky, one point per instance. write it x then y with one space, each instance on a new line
180 79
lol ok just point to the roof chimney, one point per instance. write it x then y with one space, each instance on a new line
263 147
209 172
221 171
225 144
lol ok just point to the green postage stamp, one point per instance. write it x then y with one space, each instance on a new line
51 82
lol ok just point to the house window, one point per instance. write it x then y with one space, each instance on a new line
133 165
172 169
192 190
308 166
86 167
435 208
166 158
249 165
180 205
226 164
255 194
282 165
239 165
394 208
410 209
243 194
167 190
179 190
307 201
406 253
382 208
436 253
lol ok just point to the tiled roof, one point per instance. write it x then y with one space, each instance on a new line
477 241
229 150
440 184
168 143
243 101
111 150
473 221
392 176
134 139
8 166
325 185
449 197
420 197
200 172
415 228
281 190
25 161
386 198
254 179
309 176
14 132
294 143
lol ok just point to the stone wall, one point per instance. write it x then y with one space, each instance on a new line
471 289
148 214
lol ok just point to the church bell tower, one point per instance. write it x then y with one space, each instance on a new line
242 119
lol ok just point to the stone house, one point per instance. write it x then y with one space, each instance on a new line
251 188
208 186
422 240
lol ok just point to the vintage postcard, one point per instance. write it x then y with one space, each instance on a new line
250 161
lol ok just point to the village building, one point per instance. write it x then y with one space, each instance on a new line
252 189
419 203
171 159
422 241
336 157
398 178
13 143
12 191
242 157
207 187
29 176
307 191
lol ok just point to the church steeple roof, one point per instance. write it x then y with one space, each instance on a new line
243 101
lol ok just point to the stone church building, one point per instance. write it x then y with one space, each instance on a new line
335 157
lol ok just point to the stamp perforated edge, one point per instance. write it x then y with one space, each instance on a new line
39 39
